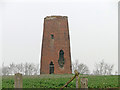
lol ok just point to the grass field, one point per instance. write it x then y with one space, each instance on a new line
57 81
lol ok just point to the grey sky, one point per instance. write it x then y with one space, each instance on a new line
93 30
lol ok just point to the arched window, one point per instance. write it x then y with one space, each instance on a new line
61 58
61 54
51 67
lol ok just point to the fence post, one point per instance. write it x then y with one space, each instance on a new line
76 74
84 83
77 84
77 78
18 83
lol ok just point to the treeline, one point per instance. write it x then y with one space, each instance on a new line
101 68
24 69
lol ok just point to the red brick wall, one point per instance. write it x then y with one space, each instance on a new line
58 26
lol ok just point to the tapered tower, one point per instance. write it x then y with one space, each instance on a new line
55 53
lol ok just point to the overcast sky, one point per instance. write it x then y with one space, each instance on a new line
93 28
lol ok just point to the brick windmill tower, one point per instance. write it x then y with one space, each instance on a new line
55 53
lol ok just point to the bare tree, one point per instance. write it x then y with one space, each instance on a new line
110 68
13 69
36 69
5 70
83 69
103 69
75 65
31 69
20 68
25 69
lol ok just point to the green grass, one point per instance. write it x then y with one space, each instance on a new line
57 81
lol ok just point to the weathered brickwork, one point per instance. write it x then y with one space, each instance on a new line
55 38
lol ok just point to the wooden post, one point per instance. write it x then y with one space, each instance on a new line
77 85
77 78
76 74
68 82
78 81
84 83
18 80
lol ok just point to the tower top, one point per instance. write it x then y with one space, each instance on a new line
55 17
